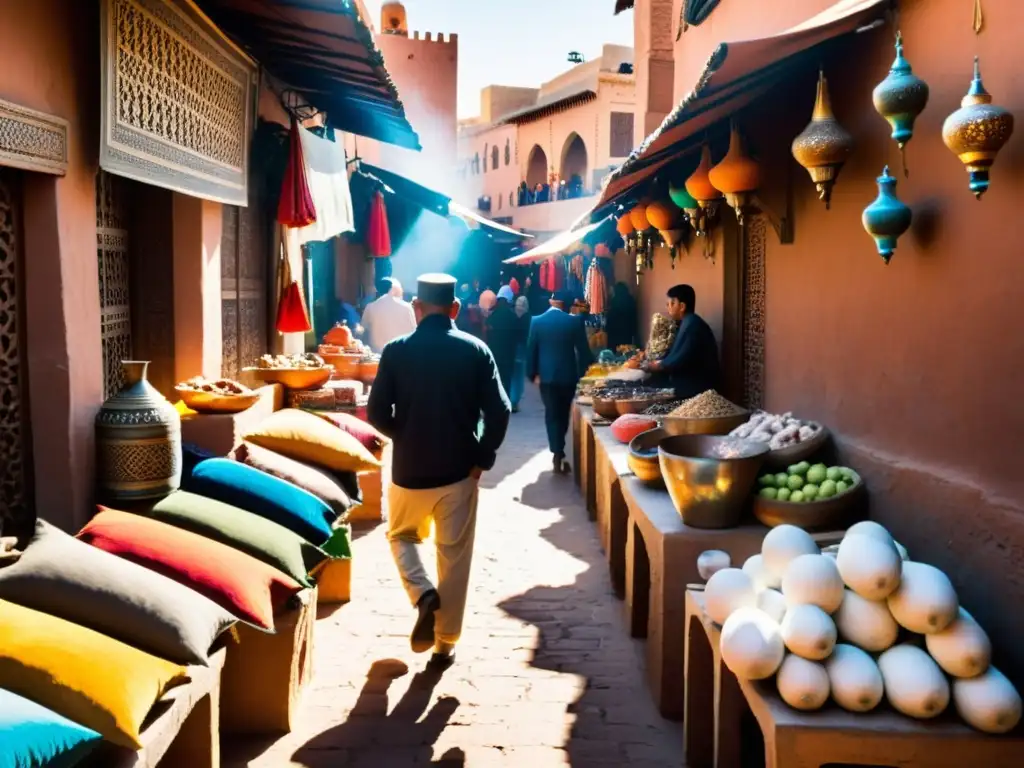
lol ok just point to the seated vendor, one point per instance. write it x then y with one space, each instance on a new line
691 365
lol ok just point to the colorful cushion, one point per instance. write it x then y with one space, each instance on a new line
371 438
248 588
304 437
321 484
87 677
263 539
34 737
265 495
64 577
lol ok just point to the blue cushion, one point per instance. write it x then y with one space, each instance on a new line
263 494
31 736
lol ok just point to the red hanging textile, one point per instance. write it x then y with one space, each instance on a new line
295 206
378 234
514 285
292 316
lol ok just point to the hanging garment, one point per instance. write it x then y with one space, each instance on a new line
378 233
295 206
596 291
292 315
327 179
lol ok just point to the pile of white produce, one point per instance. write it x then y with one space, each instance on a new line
778 431
826 625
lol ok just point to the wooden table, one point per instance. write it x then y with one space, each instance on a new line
716 702
610 466
584 461
660 560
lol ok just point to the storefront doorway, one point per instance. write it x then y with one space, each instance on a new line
16 509
245 267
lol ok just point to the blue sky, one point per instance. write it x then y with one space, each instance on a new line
515 42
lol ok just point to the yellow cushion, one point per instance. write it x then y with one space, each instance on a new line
87 677
304 437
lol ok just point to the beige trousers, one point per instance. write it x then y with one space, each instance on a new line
452 509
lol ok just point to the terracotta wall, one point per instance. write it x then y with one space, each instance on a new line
916 366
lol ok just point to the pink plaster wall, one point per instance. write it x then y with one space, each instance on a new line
197 292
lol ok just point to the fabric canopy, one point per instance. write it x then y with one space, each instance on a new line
735 75
555 245
325 52
429 200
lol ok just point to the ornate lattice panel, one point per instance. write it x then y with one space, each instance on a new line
15 507
112 256
32 140
177 100
754 244
244 269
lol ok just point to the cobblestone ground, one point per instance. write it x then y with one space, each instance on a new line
546 674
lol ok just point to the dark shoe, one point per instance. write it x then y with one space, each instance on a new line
515 409
566 467
422 638
439 662
556 463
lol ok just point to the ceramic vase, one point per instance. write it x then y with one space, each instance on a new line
138 441
886 218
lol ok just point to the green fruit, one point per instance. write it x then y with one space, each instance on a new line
781 479
767 481
799 469
834 473
796 497
817 474
827 489
848 475
810 492
841 487
784 494
769 493
794 482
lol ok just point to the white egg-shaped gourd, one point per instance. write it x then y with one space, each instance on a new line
988 702
866 623
871 529
802 684
773 603
914 684
869 566
711 561
962 649
782 544
751 644
726 591
755 568
855 679
808 632
813 580
925 600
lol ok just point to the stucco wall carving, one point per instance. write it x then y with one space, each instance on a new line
755 240
178 100
115 300
32 140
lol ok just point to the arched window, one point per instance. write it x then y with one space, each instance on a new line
494 157
485 158
508 151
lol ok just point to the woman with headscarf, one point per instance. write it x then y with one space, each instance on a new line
620 319
522 310
503 334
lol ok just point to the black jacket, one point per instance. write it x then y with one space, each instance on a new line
692 363
505 332
432 387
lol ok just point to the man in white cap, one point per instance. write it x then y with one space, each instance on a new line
504 332
432 387
389 316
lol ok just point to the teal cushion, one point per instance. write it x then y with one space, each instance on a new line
263 494
31 736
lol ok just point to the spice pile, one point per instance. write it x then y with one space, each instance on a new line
291 362
225 387
662 409
706 405
663 333
778 431
623 391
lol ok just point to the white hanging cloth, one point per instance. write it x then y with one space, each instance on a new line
327 179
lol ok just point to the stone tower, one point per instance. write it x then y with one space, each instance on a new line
393 20
654 26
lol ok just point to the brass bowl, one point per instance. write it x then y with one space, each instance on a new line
345 364
640 405
836 513
721 425
642 458
294 378
794 454
604 407
214 402
709 492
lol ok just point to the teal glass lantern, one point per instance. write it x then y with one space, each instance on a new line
901 97
886 218
682 198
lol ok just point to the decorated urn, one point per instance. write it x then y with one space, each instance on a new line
886 218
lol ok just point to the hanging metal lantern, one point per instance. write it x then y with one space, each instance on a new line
977 131
901 97
624 226
824 145
684 200
638 217
886 218
737 176
704 192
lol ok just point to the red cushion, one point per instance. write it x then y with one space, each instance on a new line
371 439
237 582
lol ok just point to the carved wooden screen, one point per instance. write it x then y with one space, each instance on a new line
113 257
754 244
244 271
15 441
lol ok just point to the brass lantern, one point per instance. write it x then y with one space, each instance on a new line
824 145
737 176
901 97
704 192
977 131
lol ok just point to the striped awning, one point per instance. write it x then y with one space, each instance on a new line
325 52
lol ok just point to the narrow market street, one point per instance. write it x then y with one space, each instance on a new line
546 674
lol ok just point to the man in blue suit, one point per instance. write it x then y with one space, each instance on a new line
557 355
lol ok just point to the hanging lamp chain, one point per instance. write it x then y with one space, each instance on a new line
979 18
